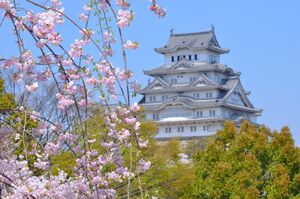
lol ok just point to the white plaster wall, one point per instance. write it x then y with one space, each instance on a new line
202 94
202 55
158 98
181 78
213 127
192 115
205 112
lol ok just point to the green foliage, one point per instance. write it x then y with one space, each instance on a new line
248 163
20 123
64 161
7 102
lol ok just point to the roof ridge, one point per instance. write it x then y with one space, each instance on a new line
192 33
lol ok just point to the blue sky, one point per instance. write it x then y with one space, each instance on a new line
263 37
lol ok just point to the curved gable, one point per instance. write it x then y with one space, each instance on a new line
202 80
238 96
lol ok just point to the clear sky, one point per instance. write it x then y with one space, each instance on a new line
264 39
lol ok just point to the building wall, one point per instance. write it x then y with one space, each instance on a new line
184 112
217 77
196 95
202 55
180 78
187 78
189 130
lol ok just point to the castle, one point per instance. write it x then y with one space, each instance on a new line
192 93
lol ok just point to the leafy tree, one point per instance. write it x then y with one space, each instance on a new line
251 162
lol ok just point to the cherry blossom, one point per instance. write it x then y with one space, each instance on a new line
84 78
123 3
5 4
135 107
32 87
124 18
130 45
83 17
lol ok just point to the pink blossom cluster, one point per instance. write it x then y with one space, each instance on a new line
157 9
83 82
123 3
64 102
32 87
130 45
103 3
5 4
124 18
43 25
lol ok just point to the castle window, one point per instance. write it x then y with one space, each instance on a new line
208 95
212 58
195 57
193 128
183 57
192 79
152 98
168 130
196 95
190 57
174 81
206 128
155 116
172 59
212 113
164 97
199 113
178 58
180 129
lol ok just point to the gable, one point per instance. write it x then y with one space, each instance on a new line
235 98
202 80
180 66
239 97
158 83
213 41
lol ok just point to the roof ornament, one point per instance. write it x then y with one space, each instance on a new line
171 31
212 28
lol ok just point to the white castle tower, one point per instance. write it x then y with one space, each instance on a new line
192 94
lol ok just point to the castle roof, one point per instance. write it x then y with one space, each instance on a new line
188 67
231 87
193 41
206 84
